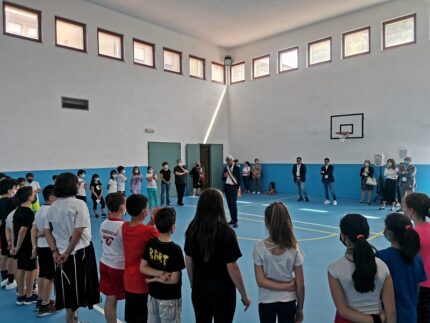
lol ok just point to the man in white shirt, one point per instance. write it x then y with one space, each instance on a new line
231 180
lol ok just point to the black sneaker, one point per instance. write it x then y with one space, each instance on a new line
235 225
231 222
31 300
306 199
300 199
103 215
38 303
46 309
20 300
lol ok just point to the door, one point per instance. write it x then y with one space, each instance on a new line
192 155
216 162
159 152
206 163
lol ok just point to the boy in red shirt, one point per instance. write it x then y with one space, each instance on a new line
136 236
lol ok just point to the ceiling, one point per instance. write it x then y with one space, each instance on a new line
231 23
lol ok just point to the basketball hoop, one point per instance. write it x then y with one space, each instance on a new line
343 135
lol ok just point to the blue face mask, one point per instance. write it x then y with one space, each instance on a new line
406 162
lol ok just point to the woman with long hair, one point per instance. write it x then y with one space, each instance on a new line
212 250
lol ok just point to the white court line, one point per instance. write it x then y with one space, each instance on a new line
372 217
313 210
244 202
100 310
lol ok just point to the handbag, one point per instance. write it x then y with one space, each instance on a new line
371 181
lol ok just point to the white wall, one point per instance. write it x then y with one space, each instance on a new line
124 99
282 116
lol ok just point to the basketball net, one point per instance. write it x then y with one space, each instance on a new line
343 136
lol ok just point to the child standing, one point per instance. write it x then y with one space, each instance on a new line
163 261
278 264
151 185
256 176
165 183
136 235
35 206
44 254
136 181
112 260
112 184
406 267
82 186
417 207
121 179
246 175
97 195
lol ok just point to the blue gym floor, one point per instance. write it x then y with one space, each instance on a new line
315 226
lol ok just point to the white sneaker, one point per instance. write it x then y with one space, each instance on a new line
334 202
327 202
4 282
11 285
253 192
258 193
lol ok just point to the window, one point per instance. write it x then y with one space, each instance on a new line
143 53
197 67
172 61
319 51
261 67
70 34
110 44
400 31
237 73
21 22
218 73
288 60
73 103
356 42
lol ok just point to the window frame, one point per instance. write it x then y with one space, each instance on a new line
180 60
31 10
104 31
345 34
136 40
316 42
223 72
253 67
387 22
204 67
285 51
244 74
76 23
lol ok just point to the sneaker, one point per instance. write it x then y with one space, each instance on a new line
104 215
306 199
397 204
399 210
20 300
11 285
38 304
259 193
31 300
235 225
46 309
253 192
392 209
334 202
231 222
327 202
382 208
300 199
4 283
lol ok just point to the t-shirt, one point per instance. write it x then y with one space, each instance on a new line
215 270
151 180
168 257
246 171
136 180
112 186
81 187
279 268
180 179
135 240
424 233
9 220
256 170
36 187
66 215
121 179
367 303
23 217
406 278
112 242
40 222
166 174
6 206
97 189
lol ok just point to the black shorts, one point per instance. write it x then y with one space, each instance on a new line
82 198
136 309
46 263
25 262
3 241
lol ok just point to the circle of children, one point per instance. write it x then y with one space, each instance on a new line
141 264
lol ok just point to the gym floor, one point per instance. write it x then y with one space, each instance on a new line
315 226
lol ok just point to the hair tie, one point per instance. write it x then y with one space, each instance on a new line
360 236
408 227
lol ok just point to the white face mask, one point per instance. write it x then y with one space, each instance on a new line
366 164
150 171
179 164
166 167
83 175
136 172
96 179
389 164
114 175
123 172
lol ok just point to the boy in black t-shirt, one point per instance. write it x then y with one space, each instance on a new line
24 248
163 261
165 184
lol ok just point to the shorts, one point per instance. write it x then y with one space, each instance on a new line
3 241
25 262
136 309
164 310
46 263
82 198
112 281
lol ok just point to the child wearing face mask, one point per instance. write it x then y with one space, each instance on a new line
136 181
35 206
121 179
97 195
390 184
151 185
82 186
198 175
166 180
405 265
112 184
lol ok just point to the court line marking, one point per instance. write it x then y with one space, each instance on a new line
100 310
268 202
299 240
313 210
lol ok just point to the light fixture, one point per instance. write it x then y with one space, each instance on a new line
228 60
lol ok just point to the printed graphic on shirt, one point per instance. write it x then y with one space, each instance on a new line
158 257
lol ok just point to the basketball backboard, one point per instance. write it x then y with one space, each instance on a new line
353 124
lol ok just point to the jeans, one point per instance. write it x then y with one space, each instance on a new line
284 311
327 186
231 197
153 197
301 188
257 184
404 189
164 311
165 194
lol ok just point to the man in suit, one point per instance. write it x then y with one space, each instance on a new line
406 180
299 177
328 180
231 181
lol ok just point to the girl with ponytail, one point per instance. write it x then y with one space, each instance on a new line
406 267
359 281
417 207
278 264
